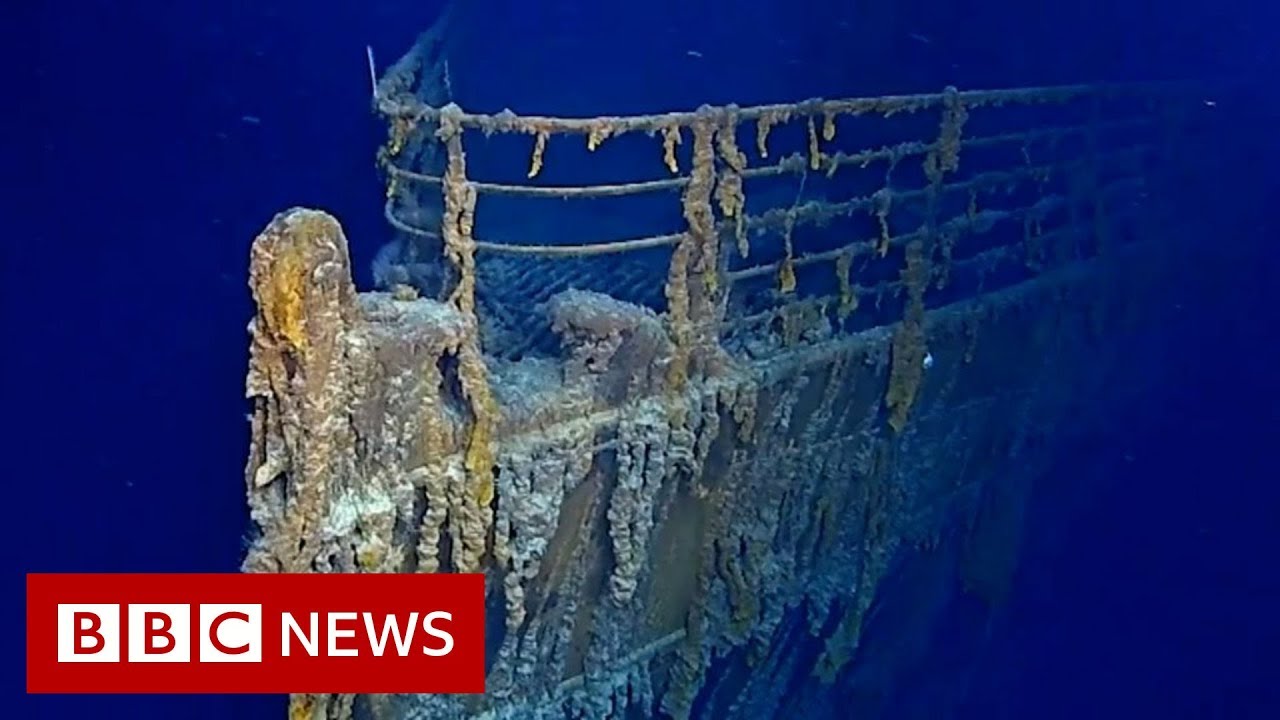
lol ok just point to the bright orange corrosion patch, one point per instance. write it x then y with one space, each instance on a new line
284 308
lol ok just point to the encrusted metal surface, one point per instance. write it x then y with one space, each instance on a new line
690 464
782 210
639 535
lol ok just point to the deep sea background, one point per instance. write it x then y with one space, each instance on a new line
147 142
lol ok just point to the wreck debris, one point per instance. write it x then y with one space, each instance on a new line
301 280
729 192
816 157
765 122
539 149
670 139
701 474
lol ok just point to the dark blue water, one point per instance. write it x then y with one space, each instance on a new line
152 140
1156 597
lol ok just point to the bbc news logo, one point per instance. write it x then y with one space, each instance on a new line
159 633
133 633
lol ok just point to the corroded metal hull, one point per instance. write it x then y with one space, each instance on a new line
637 537
751 499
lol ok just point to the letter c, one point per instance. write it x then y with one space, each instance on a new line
217 642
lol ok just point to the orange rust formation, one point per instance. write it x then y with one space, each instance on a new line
660 448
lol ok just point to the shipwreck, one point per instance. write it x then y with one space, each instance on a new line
788 402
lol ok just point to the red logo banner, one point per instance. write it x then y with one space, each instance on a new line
241 633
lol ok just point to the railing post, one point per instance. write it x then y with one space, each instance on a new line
693 279
908 348
459 249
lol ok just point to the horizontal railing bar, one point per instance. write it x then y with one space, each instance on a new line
507 121
989 256
794 163
605 248
812 212
746 322
816 212
986 218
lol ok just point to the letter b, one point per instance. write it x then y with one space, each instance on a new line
88 633
159 633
